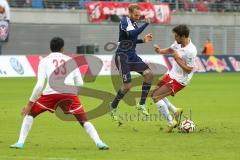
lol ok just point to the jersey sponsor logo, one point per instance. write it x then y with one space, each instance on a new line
17 66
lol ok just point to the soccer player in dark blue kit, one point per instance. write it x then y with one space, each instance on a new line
127 60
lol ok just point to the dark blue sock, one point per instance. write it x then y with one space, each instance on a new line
118 97
145 90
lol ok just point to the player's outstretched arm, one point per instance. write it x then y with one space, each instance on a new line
78 80
136 32
182 63
40 82
162 51
37 89
139 30
130 30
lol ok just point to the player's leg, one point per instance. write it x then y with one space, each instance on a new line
171 107
143 69
121 61
71 104
175 87
177 111
25 128
120 94
146 86
114 105
27 124
90 129
92 132
157 96
42 104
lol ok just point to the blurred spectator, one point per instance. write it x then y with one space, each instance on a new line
20 3
208 48
72 4
63 4
186 5
201 6
28 3
172 4
17 3
49 3
228 5
219 5
236 5
82 3
4 20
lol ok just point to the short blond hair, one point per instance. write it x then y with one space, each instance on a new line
133 6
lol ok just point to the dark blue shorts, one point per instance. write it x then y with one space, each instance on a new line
125 66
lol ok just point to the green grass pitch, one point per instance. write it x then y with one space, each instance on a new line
213 98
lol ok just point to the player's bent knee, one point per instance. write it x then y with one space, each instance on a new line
156 97
153 96
148 74
82 123
33 115
127 87
81 118
86 123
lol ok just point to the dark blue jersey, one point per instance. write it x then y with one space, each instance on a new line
128 36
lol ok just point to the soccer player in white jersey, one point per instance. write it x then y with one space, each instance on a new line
178 77
55 68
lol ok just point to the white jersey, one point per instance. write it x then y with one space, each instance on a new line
188 54
59 70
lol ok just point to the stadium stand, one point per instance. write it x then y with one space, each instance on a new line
175 5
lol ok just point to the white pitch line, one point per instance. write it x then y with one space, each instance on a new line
34 158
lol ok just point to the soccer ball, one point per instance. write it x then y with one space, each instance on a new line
187 126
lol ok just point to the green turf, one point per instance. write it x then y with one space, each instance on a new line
213 98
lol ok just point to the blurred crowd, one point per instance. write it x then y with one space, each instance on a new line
207 5
182 5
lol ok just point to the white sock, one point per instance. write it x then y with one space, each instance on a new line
170 105
26 126
90 129
163 109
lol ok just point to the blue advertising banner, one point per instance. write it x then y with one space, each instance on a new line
218 63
